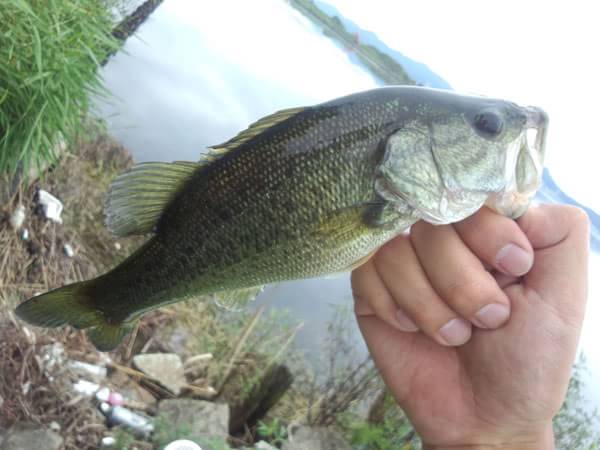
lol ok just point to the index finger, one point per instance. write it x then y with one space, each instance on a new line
559 236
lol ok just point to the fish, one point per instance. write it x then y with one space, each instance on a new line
301 193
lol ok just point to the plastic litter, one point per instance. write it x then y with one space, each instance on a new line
87 368
113 398
52 206
68 250
182 444
17 217
118 415
108 441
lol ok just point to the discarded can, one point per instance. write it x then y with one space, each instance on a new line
118 415
182 444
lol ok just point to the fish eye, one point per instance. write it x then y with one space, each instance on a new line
488 123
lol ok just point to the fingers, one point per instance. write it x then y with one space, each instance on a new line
459 276
409 294
435 280
371 297
497 241
560 236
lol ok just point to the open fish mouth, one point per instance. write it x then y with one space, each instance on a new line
524 166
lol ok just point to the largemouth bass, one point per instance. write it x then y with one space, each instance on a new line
302 193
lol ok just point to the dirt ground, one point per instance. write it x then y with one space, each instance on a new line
33 259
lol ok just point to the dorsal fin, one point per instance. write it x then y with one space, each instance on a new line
254 130
138 197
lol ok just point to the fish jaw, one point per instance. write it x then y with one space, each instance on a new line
524 167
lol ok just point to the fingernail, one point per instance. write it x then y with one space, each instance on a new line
492 315
404 322
455 332
514 260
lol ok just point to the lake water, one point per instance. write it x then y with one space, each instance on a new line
195 76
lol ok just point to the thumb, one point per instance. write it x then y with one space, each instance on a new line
559 235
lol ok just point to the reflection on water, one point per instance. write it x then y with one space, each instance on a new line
200 72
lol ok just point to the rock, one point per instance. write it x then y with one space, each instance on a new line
166 368
262 445
315 438
32 439
202 418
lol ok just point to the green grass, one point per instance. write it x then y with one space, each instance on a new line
49 56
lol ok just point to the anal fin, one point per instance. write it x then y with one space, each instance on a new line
106 337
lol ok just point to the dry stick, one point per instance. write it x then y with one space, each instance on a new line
286 344
3 265
207 392
142 376
240 345
132 341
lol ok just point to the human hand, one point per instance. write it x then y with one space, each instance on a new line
502 388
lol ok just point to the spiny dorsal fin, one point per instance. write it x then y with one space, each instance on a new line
254 130
138 197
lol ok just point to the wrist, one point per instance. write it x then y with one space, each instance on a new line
544 440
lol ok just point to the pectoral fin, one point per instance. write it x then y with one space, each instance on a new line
137 198
236 300
359 262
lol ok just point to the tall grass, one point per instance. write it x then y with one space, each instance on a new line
49 56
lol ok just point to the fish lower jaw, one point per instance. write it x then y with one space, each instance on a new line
510 204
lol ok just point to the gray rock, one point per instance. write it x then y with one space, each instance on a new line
32 439
166 368
202 418
262 445
315 438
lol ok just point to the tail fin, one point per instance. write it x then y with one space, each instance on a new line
74 305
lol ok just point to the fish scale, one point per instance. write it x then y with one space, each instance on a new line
301 193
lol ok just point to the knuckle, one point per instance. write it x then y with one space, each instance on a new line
390 252
578 218
468 294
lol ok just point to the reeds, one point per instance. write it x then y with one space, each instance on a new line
49 56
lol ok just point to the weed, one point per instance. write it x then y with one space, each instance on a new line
272 431
49 55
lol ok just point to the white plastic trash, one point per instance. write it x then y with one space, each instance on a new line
108 441
92 369
68 250
86 387
183 444
52 206
17 217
